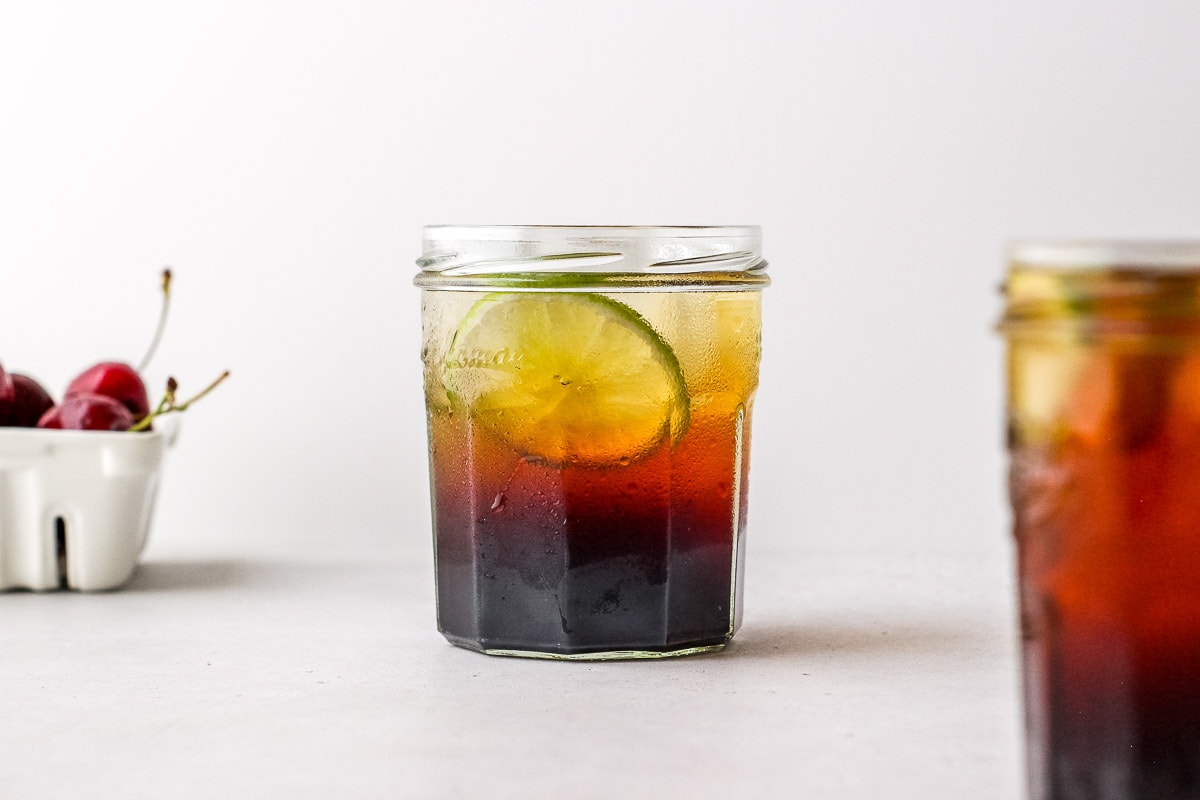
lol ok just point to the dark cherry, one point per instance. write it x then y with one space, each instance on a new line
8 395
30 402
116 380
88 412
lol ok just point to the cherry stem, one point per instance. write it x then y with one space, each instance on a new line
168 405
171 386
162 321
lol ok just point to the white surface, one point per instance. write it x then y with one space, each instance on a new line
311 678
283 157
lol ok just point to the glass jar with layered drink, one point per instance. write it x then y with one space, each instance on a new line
589 393
1104 432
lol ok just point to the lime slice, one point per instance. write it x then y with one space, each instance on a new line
567 377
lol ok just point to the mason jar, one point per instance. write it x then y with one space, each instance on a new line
589 393
1104 436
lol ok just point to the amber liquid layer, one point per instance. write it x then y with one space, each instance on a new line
1106 493
630 558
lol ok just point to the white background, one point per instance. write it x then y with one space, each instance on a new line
282 157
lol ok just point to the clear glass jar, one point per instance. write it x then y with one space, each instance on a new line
589 392
1104 435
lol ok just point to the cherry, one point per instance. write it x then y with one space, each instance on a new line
88 412
109 396
31 401
116 380
8 395
121 381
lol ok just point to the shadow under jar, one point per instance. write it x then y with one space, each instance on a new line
588 394
1104 435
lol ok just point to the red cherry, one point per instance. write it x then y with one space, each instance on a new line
116 380
8 395
31 401
88 412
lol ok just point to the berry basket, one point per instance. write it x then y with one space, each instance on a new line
76 506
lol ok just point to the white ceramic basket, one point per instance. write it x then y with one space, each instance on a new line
75 506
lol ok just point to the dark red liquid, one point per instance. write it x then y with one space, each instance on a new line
1108 531
581 560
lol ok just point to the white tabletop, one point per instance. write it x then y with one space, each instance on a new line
325 677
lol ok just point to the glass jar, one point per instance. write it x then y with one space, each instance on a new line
1104 435
589 393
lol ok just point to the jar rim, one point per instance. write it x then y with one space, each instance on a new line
490 233
1105 254
453 252
1103 289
